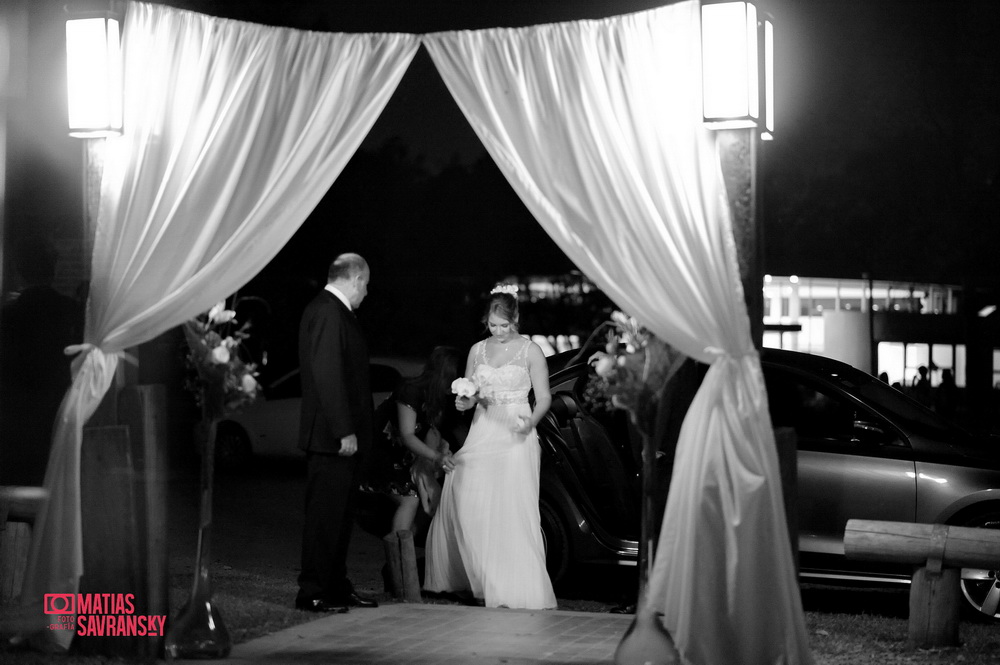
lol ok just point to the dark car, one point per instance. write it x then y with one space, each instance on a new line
865 451
269 427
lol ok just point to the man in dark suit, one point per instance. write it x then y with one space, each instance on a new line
335 433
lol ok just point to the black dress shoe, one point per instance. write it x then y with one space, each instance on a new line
355 599
320 605
623 608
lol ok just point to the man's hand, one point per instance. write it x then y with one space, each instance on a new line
348 445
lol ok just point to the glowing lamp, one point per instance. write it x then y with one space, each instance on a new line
94 75
737 51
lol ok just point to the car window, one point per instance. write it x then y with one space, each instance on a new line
821 415
383 378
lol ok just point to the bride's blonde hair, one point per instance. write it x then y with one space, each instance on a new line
503 303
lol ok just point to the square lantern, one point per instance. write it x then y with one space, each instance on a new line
94 74
737 50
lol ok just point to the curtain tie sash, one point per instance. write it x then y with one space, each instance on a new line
717 352
85 348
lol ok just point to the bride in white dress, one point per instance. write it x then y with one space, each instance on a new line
486 536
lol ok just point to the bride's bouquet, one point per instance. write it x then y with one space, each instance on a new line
464 387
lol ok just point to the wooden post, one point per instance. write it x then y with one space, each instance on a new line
787 442
143 409
935 600
408 563
393 564
112 555
18 508
939 551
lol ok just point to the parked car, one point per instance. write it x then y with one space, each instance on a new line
865 451
270 426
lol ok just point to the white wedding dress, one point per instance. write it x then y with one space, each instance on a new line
486 537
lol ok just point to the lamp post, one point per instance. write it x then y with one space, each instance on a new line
94 85
738 96
94 93
738 101
94 73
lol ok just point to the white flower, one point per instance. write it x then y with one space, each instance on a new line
604 364
220 354
230 343
464 387
622 319
249 384
510 289
219 313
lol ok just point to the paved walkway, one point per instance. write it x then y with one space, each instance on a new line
414 634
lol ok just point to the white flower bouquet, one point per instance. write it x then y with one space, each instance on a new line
633 369
223 381
464 387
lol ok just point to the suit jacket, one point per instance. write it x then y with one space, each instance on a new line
336 392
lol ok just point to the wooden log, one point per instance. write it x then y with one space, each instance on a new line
394 579
906 542
19 506
112 558
142 408
939 551
408 563
21 503
787 441
15 543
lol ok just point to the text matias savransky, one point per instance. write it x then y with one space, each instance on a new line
102 614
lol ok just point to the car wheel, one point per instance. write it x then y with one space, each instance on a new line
232 447
980 587
556 540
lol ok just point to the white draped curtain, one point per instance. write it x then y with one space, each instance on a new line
597 125
234 132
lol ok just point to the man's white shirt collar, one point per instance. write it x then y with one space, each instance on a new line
340 295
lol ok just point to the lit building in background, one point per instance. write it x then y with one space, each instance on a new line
906 325
902 325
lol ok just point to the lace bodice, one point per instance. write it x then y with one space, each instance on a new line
507 384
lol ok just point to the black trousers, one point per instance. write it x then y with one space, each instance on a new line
331 487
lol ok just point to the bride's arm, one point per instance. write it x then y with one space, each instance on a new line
466 403
538 370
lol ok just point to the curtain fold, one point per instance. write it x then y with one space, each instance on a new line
597 125
234 132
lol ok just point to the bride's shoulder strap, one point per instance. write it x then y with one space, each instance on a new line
522 353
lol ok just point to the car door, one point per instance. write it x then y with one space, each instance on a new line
852 464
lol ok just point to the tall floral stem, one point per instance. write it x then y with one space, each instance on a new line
646 642
198 630
647 527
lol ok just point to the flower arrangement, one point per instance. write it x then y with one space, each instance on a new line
464 387
223 381
509 289
632 370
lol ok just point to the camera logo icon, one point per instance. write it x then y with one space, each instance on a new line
59 603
